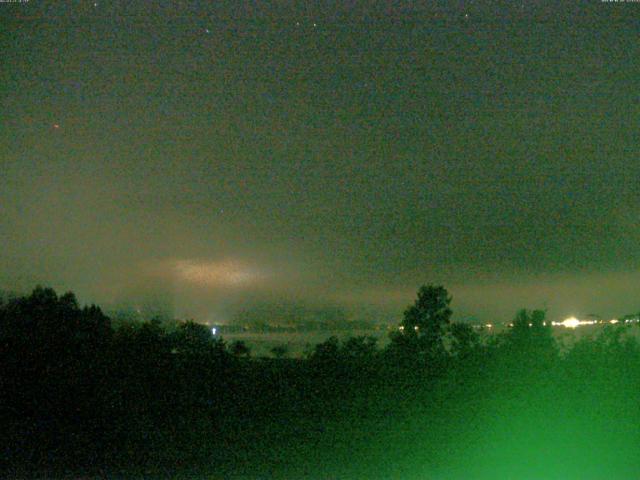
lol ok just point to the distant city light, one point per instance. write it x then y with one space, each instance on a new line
573 322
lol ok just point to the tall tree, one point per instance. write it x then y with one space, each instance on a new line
531 338
425 321
464 340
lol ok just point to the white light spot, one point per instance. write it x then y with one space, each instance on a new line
571 322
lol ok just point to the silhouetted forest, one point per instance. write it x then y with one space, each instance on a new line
440 401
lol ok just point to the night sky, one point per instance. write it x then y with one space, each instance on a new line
218 156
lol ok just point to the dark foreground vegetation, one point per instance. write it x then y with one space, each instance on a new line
79 397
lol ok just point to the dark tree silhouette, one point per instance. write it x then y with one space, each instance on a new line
280 351
424 323
329 349
361 348
77 396
530 340
53 362
239 348
530 328
464 340
193 338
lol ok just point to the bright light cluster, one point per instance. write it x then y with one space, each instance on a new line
573 322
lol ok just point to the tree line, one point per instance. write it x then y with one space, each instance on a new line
78 395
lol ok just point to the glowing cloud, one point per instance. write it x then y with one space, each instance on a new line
226 273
